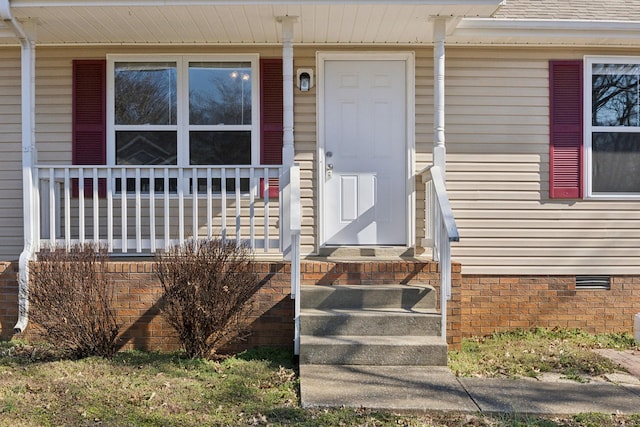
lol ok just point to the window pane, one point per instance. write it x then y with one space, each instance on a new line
145 93
146 148
220 93
616 162
220 148
615 95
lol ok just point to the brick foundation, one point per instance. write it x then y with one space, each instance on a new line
480 305
499 303
137 307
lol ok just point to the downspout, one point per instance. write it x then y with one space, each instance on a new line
28 152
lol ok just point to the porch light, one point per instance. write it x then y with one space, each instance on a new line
305 79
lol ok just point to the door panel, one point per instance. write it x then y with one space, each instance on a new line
365 149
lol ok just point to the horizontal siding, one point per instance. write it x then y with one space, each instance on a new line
306 150
497 172
497 144
11 236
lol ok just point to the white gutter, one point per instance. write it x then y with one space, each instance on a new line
102 3
544 31
28 153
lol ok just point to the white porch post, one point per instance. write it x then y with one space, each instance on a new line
288 151
439 150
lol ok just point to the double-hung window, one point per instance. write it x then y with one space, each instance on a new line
183 111
612 127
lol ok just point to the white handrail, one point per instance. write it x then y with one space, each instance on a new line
291 229
440 231
134 208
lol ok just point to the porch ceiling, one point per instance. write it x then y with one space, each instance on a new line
236 22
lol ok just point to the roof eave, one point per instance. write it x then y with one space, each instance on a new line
545 32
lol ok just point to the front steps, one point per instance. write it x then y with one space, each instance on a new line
376 325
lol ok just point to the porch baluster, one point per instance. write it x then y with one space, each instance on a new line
67 209
209 206
138 213
123 210
252 191
52 210
81 204
223 201
152 210
109 210
266 209
96 207
194 198
238 215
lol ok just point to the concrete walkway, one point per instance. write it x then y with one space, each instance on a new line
427 388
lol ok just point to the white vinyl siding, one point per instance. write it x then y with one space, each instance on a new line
497 171
11 237
497 145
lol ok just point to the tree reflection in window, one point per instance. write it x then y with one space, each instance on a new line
615 137
145 93
219 93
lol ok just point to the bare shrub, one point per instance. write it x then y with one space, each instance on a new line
71 301
207 288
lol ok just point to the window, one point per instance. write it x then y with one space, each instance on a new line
612 126
183 110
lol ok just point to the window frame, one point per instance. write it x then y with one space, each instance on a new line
589 128
183 127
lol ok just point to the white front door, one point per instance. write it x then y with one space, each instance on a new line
365 198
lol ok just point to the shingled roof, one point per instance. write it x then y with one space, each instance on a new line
597 10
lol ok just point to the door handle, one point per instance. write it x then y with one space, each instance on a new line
329 166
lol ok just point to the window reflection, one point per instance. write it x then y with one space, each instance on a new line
616 162
220 93
616 95
220 148
145 93
146 148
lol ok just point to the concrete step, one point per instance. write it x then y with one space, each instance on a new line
414 297
373 350
381 321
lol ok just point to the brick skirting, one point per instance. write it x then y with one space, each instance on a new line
500 303
137 306
480 305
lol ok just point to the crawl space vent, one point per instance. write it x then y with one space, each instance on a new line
593 282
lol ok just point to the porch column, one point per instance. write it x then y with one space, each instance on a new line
439 150
288 150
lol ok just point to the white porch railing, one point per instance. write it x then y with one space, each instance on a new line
292 221
440 231
141 209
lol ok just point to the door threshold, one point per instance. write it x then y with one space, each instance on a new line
349 252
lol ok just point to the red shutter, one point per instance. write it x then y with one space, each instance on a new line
271 117
89 118
566 134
